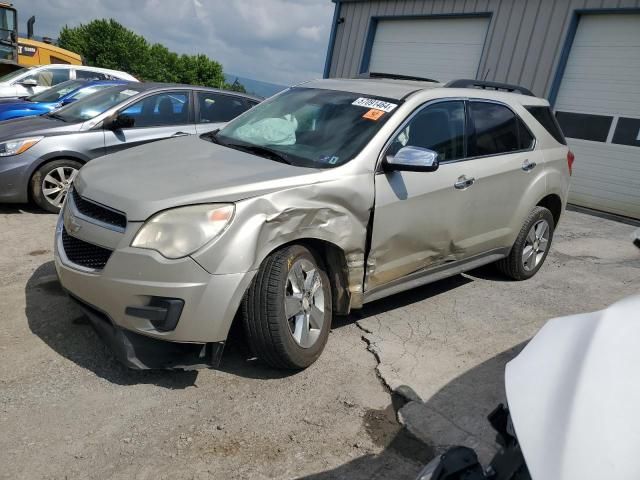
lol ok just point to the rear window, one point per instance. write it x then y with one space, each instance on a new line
496 130
544 116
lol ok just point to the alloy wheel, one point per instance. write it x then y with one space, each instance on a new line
56 184
535 245
304 302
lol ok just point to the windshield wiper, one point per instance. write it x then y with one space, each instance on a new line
262 152
56 116
213 136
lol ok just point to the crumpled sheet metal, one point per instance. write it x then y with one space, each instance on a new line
336 211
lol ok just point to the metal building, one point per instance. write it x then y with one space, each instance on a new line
583 55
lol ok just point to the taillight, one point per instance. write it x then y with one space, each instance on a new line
570 158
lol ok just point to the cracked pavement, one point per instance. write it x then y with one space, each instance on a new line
449 341
69 410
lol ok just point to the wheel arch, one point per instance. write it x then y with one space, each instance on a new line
553 203
48 159
335 261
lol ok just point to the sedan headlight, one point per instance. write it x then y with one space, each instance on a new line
17 146
181 231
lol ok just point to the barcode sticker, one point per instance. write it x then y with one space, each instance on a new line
374 103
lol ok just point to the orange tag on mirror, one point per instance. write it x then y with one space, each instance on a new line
373 114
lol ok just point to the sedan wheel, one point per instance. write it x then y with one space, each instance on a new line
51 183
56 184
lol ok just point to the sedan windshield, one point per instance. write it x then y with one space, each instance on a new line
16 73
309 127
54 94
93 105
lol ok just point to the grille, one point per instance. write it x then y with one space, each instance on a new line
83 253
98 212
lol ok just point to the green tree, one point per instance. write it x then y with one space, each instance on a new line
108 44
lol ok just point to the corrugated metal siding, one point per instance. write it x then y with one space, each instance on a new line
523 43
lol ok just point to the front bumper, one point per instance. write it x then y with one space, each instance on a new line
15 172
131 280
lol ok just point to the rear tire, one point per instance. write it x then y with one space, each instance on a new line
51 182
287 309
531 247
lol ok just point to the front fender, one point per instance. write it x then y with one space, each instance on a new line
336 211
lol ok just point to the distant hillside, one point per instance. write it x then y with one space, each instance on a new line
256 87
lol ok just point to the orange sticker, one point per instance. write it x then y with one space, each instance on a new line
373 114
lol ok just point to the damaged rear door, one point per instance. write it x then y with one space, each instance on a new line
420 218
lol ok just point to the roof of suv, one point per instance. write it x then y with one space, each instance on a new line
382 87
400 89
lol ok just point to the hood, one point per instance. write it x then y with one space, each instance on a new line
573 395
31 126
181 171
24 105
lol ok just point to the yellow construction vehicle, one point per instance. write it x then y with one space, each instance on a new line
24 52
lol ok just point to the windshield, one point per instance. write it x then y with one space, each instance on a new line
309 127
54 94
94 105
89 89
16 73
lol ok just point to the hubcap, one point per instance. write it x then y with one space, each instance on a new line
535 245
304 302
56 184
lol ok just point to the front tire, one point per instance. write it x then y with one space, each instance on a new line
531 247
287 309
51 182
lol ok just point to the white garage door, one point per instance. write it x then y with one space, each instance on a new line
598 107
442 49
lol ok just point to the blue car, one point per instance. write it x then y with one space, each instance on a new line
53 98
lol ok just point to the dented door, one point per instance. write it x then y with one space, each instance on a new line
420 220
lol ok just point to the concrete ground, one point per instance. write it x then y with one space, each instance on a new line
69 410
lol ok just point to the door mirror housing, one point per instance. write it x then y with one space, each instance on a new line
412 159
67 101
118 121
28 83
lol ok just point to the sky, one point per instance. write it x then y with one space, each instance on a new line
279 41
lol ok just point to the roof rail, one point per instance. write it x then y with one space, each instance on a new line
396 76
501 87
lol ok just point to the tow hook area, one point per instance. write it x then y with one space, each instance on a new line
461 463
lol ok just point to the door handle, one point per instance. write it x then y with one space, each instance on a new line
463 182
527 166
180 134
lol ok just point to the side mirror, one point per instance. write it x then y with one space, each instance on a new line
412 159
67 101
28 82
118 122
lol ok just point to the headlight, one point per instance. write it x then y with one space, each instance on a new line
17 146
181 231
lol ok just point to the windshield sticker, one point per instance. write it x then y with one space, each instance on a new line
373 114
374 103
129 93
330 159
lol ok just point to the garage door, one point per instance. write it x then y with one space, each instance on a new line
442 49
598 107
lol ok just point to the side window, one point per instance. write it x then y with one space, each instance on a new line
525 139
167 108
89 75
548 121
494 129
439 127
217 107
49 77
